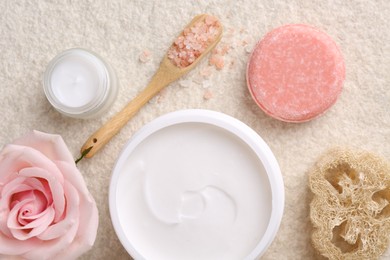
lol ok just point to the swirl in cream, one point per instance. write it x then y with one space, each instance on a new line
193 191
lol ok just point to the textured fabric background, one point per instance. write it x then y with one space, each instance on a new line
33 32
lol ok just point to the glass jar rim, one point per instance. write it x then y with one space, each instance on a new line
102 88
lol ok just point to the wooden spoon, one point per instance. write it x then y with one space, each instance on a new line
166 74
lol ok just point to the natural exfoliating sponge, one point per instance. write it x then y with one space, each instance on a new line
350 210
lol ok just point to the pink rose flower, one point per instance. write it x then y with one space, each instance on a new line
46 210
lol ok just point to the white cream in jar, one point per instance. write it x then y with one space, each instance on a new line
196 184
79 83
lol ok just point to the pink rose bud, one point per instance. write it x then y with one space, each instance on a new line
46 210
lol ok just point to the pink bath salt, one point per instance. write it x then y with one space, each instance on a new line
208 94
295 73
217 60
206 71
194 41
145 56
217 56
222 50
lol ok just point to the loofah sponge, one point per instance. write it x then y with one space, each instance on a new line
350 210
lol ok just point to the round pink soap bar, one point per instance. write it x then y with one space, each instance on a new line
295 73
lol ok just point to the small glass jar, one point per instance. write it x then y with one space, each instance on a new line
80 84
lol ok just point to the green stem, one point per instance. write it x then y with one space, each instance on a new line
83 154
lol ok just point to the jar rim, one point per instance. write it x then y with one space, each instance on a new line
102 88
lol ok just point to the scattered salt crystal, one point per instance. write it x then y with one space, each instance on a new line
208 94
217 60
220 63
193 41
217 56
224 49
145 56
206 71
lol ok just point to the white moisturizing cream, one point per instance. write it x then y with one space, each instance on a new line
196 184
78 83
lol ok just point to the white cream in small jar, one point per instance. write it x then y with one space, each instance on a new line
196 184
80 84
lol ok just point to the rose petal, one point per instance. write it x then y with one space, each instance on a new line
16 189
45 218
11 246
27 220
52 146
22 157
72 215
21 184
39 185
89 217
12 222
55 185
44 201
73 175
8 166
14 186
57 243
5 201
40 224
32 229
42 186
30 210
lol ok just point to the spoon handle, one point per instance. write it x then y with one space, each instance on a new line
167 73
104 134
